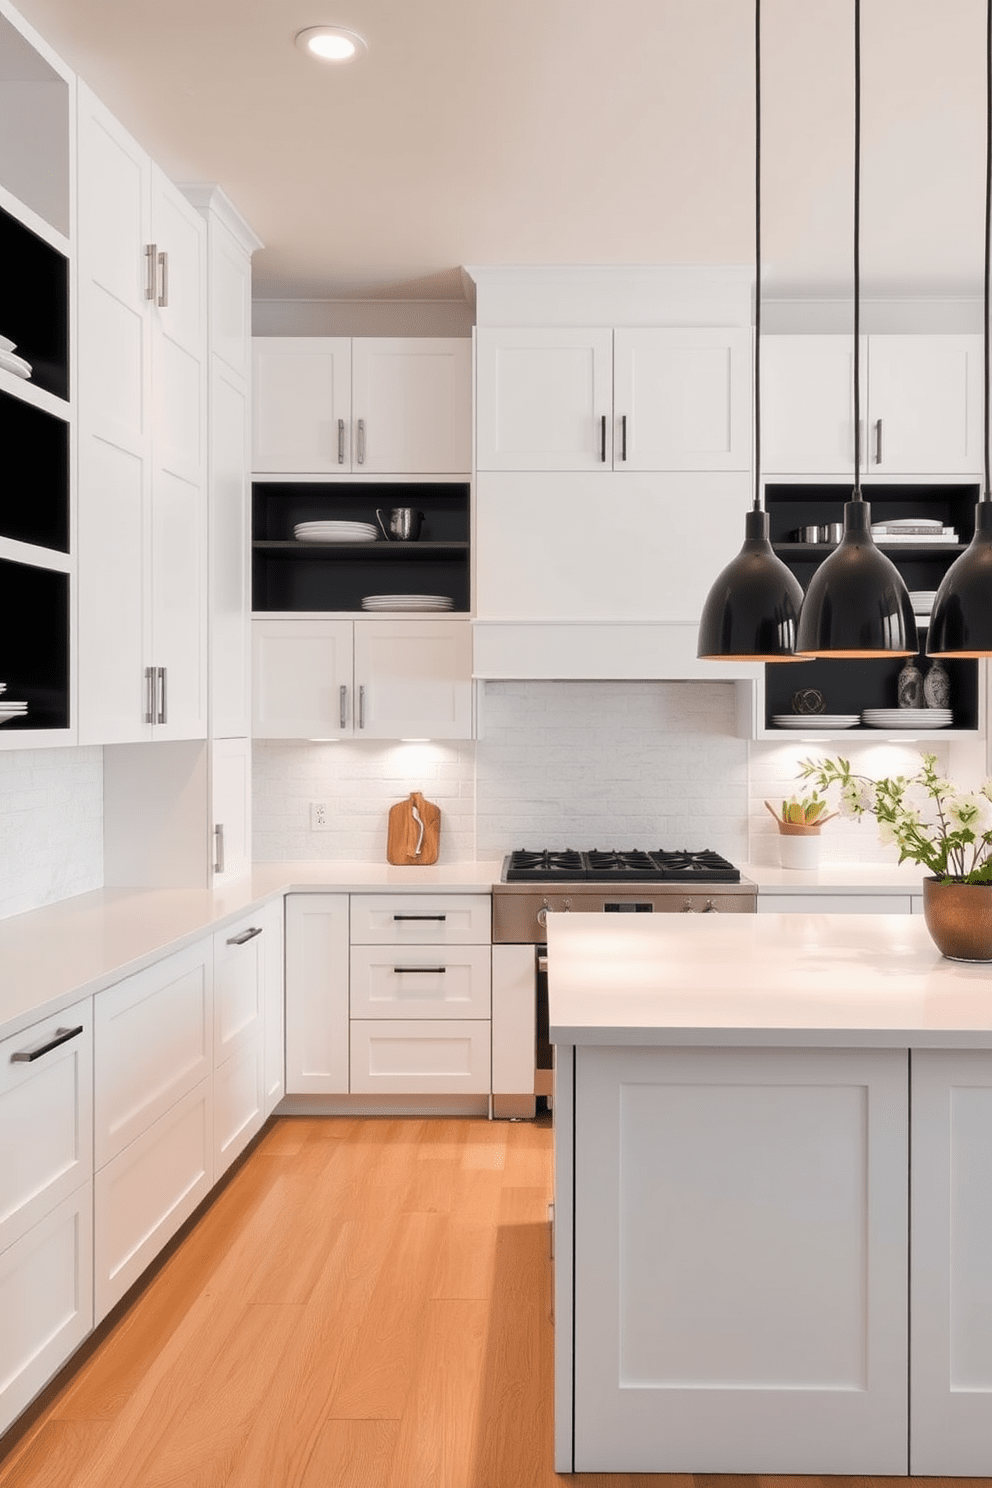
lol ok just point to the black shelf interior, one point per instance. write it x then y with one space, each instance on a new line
34 644
287 575
851 686
34 304
34 498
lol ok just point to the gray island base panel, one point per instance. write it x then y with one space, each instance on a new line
773 1197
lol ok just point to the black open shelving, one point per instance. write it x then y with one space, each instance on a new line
34 304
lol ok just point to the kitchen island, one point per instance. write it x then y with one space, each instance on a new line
773 1196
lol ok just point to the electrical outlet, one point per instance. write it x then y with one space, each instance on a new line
320 816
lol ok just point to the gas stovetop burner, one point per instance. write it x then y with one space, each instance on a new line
631 866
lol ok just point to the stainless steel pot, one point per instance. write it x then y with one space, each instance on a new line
403 524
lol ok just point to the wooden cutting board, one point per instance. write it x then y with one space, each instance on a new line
405 832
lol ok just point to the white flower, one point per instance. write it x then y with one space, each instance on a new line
973 812
987 789
856 797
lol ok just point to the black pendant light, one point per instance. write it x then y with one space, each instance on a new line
961 621
856 603
751 611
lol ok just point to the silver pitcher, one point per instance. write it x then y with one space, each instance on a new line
403 523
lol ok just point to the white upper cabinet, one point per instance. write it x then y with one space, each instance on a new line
597 399
142 444
369 406
921 405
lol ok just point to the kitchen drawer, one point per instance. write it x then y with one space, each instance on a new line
142 1197
48 1102
238 1104
834 903
239 965
153 1042
46 1300
420 981
421 919
405 1057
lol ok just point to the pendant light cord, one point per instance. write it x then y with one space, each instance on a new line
757 256
857 250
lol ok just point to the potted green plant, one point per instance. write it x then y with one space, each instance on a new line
936 824
799 824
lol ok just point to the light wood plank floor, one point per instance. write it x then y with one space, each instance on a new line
365 1304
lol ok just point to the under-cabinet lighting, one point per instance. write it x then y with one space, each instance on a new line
331 43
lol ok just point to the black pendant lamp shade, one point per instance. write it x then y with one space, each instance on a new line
961 619
857 603
751 611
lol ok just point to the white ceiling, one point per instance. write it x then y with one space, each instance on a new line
557 131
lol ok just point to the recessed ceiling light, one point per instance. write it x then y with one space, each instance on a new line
332 43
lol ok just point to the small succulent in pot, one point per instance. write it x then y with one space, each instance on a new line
797 815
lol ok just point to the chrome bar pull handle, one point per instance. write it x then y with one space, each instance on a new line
219 841
878 441
340 441
151 270
163 696
602 439
361 441
361 707
60 1036
343 696
149 694
245 936
623 436
163 293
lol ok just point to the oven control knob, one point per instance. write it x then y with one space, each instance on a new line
568 905
542 914
688 907
710 908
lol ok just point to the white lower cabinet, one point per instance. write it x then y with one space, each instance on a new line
273 951
46 1201
407 1056
239 1037
828 903
317 994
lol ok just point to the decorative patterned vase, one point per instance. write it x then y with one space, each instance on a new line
959 918
910 686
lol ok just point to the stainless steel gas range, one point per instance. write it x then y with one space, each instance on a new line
536 884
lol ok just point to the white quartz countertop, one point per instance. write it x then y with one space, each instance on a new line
838 878
50 957
776 979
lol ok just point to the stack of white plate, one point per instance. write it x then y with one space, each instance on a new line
9 710
407 602
922 601
337 532
816 720
908 718
11 363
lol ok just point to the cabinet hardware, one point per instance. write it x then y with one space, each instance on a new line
542 964
361 441
602 439
245 936
60 1036
419 917
623 436
343 695
219 839
163 293
431 969
163 696
361 707
340 441
149 694
151 270
878 441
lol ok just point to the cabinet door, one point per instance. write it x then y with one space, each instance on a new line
420 982
115 425
239 1037
807 404
682 399
413 679
46 1098
302 404
230 550
301 679
411 406
924 405
274 1067
544 399
406 1057
230 792
951 1285
317 994
739 1306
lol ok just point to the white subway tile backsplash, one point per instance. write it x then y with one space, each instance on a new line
51 826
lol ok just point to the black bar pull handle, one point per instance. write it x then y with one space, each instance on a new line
60 1036
420 917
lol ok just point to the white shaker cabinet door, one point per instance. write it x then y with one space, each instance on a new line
682 399
807 402
317 957
230 795
544 399
413 679
302 679
230 555
301 388
924 405
411 404
951 1283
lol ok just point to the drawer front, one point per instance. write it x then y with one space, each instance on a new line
142 1197
46 1300
834 903
421 919
238 1110
47 1100
153 1042
420 982
408 1058
239 963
